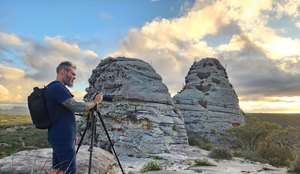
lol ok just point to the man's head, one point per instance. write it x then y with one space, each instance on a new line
66 73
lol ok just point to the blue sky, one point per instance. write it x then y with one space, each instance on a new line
94 24
257 40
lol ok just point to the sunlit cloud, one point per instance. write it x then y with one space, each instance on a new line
259 59
262 61
272 105
41 60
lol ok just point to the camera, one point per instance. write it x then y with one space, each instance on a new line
108 97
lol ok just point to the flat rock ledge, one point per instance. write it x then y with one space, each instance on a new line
181 159
39 162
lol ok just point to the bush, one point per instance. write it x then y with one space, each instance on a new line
151 166
275 154
221 154
248 136
295 166
203 162
249 155
197 140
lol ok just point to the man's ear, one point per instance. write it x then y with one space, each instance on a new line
64 71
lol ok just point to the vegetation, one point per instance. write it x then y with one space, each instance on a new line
221 153
266 142
17 134
203 162
195 139
152 166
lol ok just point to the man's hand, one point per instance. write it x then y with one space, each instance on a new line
99 98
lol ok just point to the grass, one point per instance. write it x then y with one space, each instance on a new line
17 134
203 162
14 119
152 165
221 153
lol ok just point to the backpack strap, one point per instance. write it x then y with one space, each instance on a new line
51 83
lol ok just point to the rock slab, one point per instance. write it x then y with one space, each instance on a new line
39 162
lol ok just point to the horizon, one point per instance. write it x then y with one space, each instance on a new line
256 40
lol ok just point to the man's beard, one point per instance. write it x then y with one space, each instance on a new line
68 81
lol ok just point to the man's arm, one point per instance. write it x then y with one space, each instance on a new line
75 106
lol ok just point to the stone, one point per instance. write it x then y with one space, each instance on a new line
142 118
181 160
208 101
39 161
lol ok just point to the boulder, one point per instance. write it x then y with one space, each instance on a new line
142 118
208 101
39 161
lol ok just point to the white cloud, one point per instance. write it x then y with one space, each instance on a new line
4 93
41 61
254 47
287 7
14 86
298 24
11 73
9 39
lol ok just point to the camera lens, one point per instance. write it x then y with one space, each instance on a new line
108 97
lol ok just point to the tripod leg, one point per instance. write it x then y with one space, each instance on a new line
112 145
92 139
80 142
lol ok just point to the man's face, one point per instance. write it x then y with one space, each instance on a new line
70 76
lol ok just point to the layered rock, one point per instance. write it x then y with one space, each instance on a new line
208 101
39 162
142 119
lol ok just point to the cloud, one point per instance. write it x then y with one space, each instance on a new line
41 60
259 60
287 7
4 94
298 24
14 86
9 39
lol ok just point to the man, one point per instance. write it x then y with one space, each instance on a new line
61 105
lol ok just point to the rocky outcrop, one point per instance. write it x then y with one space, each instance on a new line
39 162
208 101
181 160
142 119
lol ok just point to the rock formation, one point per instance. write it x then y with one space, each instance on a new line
208 101
142 118
39 162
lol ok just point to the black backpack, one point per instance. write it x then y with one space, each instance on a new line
38 108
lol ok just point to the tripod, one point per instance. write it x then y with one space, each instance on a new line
91 123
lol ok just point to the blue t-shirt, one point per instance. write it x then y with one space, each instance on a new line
63 129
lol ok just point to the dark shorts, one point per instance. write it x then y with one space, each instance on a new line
64 157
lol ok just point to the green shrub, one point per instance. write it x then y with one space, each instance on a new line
249 155
195 139
275 154
19 135
296 165
151 166
203 162
248 136
220 153
157 157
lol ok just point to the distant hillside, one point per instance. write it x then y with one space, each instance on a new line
15 110
282 119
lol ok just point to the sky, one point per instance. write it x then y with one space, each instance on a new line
258 41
